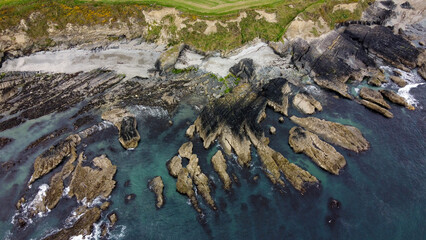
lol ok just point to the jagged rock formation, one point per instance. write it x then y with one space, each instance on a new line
274 163
373 96
306 104
395 98
219 165
322 153
126 124
88 183
345 136
51 158
189 175
244 70
156 185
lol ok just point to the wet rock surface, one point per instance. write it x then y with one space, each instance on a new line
306 104
395 98
156 185
322 153
377 108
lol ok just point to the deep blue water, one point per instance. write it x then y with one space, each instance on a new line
382 191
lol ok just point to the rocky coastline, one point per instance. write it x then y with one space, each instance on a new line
353 56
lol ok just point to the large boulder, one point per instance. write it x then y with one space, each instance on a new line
129 135
346 136
322 153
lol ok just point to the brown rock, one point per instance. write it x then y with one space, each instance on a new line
373 96
395 98
306 104
105 206
240 144
322 153
90 183
272 130
190 131
375 82
345 136
174 166
336 86
127 126
281 119
186 150
377 108
156 185
51 158
184 186
113 219
399 81
19 203
219 165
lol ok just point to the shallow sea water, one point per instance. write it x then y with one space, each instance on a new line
381 191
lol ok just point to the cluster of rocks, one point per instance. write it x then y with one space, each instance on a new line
190 176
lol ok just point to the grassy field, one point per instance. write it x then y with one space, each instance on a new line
228 35
209 7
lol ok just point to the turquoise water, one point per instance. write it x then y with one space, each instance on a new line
381 191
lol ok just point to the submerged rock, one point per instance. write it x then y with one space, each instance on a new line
5 141
219 165
306 104
156 185
377 108
52 157
373 96
322 153
346 136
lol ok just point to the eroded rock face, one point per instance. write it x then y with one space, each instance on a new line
322 153
89 183
184 186
306 104
219 165
156 185
51 158
346 136
174 166
373 96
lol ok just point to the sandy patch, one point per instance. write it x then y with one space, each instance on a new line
211 27
350 7
305 29
269 17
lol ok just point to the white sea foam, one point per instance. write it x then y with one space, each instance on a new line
405 93
157 112
132 59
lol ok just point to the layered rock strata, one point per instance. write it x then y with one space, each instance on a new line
127 126
322 153
219 165
345 136
306 104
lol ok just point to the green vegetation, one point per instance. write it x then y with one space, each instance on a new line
229 81
231 29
